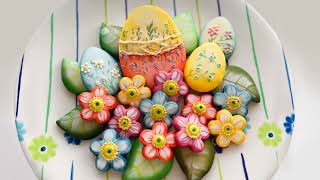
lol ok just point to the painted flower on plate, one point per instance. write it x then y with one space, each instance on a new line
289 124
71 140
232 99
110 151
159 109
158 142
227 128
133 91
190 132
125 121
96 105
171 83
201 106
20 130
42 148
270 134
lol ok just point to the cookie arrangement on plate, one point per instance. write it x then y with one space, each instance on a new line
156 91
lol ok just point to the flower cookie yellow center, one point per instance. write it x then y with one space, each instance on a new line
193 130
132 92
158 141
124 123
96 104
109 151
199 108
233 102
227 129
170 87
158 112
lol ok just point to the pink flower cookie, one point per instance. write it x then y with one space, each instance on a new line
191 133
171 83
125 121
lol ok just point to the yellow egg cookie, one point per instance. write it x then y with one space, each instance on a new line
205 67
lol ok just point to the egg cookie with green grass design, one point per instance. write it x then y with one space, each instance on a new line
205 68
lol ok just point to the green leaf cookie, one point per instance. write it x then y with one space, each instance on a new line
70 73
79 128
195 165
109 39
186 25
220 31
242 79
141 168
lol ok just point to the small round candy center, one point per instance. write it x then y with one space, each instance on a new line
109 151
43 148
270 135
170 87
233 102
124 123
159 141
96 104
158 112
193 130
199 108
227 129
132 92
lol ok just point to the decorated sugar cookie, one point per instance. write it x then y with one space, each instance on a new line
158 142
228 128
190 132
96 105
149 45
98 68
171 83
110 151
205 68
201 106
220 31
158 109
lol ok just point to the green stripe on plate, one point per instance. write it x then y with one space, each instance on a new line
50 72
198 15
256 61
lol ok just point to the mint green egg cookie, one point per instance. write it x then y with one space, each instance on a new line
70 73
220 31
79 128
186 25
109 39
98 68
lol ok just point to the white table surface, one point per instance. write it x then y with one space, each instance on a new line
295 21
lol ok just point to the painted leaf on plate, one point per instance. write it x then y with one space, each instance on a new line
195 165
242 79
109 39
77 127
141 168
70 73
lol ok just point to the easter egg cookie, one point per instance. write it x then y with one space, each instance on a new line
150 42
205 68
98 68
220 31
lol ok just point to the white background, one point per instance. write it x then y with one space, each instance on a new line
295 21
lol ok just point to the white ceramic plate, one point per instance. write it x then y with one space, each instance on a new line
42 98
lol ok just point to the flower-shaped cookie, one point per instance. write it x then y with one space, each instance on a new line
171 83
133 91
158 142
270 134
158 109
201 106
228 128
110 151
96 105
232 99
125 121
191 132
